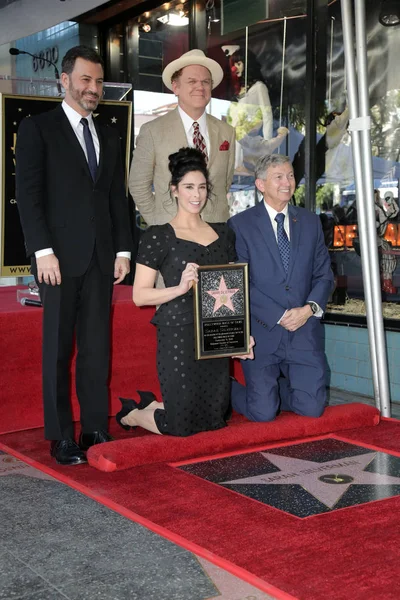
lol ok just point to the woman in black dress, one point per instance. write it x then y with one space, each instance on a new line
196 394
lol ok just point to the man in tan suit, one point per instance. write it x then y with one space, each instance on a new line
191 78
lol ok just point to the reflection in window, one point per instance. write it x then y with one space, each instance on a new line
264 83
264 70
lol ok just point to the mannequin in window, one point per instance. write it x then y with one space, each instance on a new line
250 113
385 209
338 157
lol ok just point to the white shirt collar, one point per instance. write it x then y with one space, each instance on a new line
73 116
188 121
272 212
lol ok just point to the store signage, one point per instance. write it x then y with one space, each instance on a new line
41 60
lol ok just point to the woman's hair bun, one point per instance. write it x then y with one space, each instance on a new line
187 159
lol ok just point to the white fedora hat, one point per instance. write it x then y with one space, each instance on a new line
193 57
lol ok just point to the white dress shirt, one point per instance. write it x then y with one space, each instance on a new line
188 126
74 119
272 214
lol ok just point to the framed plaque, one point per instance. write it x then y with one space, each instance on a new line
221 311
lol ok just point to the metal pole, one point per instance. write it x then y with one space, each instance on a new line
283 69
352 93
315 94
310 142
247 59
368 199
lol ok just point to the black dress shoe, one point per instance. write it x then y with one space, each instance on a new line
67 452
86 440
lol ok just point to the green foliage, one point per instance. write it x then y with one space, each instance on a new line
385 126
300 195
325 194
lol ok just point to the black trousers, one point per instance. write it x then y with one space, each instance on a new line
79 305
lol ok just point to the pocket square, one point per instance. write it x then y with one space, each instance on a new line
224 145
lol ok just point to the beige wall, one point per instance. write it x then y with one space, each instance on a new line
6 68
5 60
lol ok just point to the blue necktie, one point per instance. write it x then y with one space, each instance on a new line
283 241
91 152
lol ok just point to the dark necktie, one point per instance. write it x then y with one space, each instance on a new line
91 152
283 241
198 139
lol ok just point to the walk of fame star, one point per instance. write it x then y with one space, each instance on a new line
223 296
327 481
9 465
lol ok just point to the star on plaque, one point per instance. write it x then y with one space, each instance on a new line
113 120
327 481
223 296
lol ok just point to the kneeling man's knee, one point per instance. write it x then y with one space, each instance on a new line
314 410
267 413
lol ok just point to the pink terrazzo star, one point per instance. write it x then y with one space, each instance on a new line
223 296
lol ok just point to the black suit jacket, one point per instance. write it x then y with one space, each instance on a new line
60 206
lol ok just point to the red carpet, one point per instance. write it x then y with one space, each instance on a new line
240 434
348 554
133 358
133 340
351 553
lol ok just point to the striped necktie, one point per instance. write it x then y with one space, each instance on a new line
198 140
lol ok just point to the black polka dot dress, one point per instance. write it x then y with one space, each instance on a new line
196 393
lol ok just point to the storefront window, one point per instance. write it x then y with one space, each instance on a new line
336 194
264 94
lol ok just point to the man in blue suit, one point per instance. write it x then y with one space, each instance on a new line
290 282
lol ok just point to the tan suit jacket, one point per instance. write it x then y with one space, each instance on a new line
156 141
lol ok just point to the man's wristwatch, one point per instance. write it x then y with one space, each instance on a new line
313 306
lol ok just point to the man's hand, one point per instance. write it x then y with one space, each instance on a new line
122 266
48 269
296 317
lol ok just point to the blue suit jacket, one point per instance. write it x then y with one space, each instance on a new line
272 292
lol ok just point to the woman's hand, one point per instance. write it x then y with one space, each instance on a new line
250 355
189 276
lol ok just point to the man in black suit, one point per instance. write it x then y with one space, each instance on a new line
74 214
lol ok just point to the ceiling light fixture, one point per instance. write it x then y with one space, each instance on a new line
174 19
